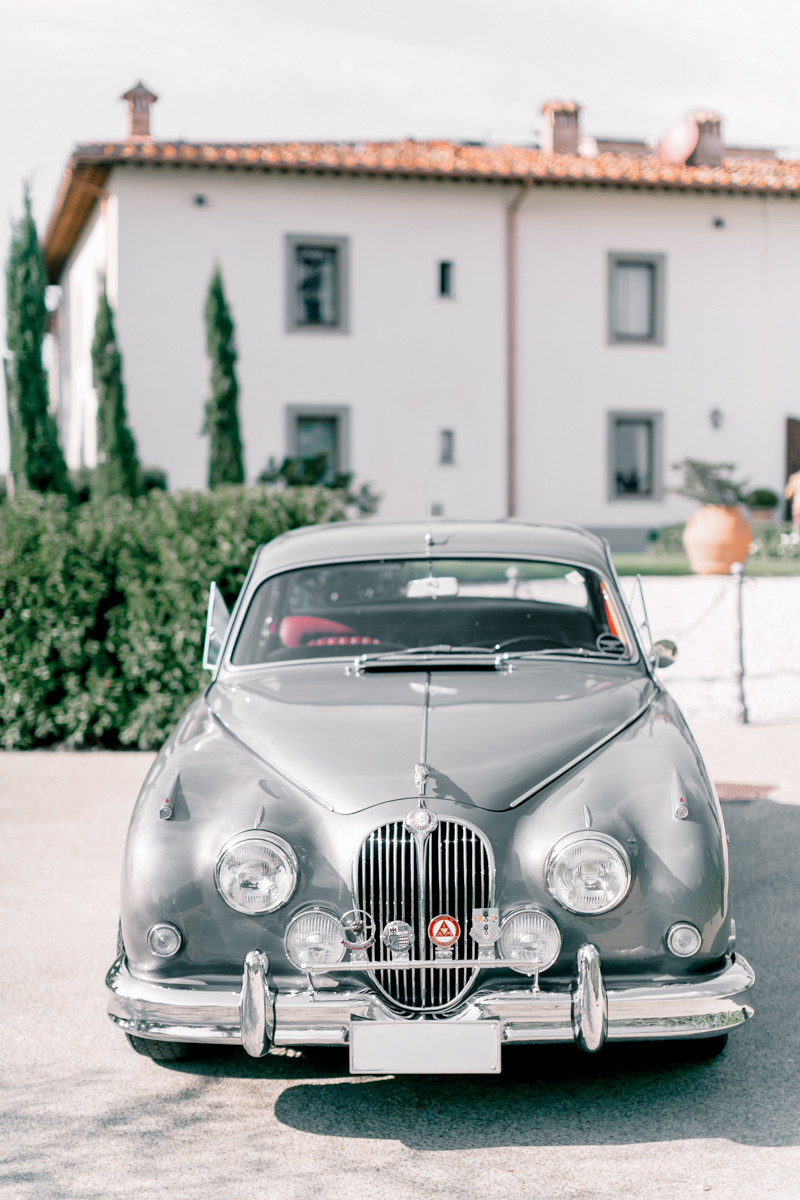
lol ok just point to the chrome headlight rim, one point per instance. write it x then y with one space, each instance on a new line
587 835
272 839
301 914
519 964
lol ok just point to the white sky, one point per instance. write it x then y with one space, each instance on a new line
360 69
353 69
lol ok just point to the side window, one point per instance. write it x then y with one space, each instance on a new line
447 447
634 454
446 279
316 278
312 430
636 298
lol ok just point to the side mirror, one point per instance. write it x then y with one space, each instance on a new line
216 627
666 653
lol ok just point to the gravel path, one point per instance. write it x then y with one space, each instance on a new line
84 1118
699 613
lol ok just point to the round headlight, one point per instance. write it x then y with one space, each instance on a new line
314 937
588 873
684 940
256 873
164 941
530 937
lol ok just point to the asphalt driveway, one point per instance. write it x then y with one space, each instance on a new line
83 1116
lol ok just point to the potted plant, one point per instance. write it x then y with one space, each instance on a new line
718 534
762 503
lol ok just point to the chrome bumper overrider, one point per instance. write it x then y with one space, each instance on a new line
256 1016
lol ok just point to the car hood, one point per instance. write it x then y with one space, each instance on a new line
351 741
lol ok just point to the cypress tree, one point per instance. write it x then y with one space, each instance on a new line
36 454
117 465
225 463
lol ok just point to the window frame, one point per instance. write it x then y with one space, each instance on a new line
657 262
656 419
447 447
342 247
341 413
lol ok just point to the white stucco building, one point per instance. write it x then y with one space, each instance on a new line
532 331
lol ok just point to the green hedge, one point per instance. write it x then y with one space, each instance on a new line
769 541
102 607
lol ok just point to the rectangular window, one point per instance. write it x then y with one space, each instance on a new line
319 435
445 279
635 298
312 430
316 283
447 447
634 455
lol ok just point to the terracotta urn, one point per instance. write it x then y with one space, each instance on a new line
762 516
715 537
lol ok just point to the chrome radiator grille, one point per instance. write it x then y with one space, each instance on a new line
400 877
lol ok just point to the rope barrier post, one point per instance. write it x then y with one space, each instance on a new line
737 569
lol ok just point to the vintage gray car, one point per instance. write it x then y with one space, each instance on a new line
433 802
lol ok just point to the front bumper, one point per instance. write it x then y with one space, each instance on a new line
586 1013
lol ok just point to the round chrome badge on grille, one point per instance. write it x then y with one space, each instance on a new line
358 929
444 931
398 936
421 820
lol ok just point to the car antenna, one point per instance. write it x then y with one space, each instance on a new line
429 534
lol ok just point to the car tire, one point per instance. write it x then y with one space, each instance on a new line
703 1049
159 1051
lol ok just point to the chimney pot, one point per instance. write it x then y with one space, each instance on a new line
709 151
561 132
139 100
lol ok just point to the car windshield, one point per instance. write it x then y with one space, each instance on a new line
436 606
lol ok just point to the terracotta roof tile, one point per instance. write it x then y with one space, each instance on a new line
434 158
458 160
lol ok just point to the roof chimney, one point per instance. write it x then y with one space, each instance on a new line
709 151
561 127
139 101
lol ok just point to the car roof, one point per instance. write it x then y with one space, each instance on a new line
341 541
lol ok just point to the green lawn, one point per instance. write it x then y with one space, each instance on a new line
678 564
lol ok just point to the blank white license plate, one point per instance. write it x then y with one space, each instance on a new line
424 1047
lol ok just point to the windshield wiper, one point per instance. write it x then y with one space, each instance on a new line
440 649
576 651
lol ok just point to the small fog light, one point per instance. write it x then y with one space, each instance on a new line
164 940
531 937
684 940
314 937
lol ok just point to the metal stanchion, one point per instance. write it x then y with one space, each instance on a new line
737 569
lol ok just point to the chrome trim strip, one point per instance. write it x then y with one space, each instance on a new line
208 1035
589 1001
698 1006
322 1035
183 1014
585 754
